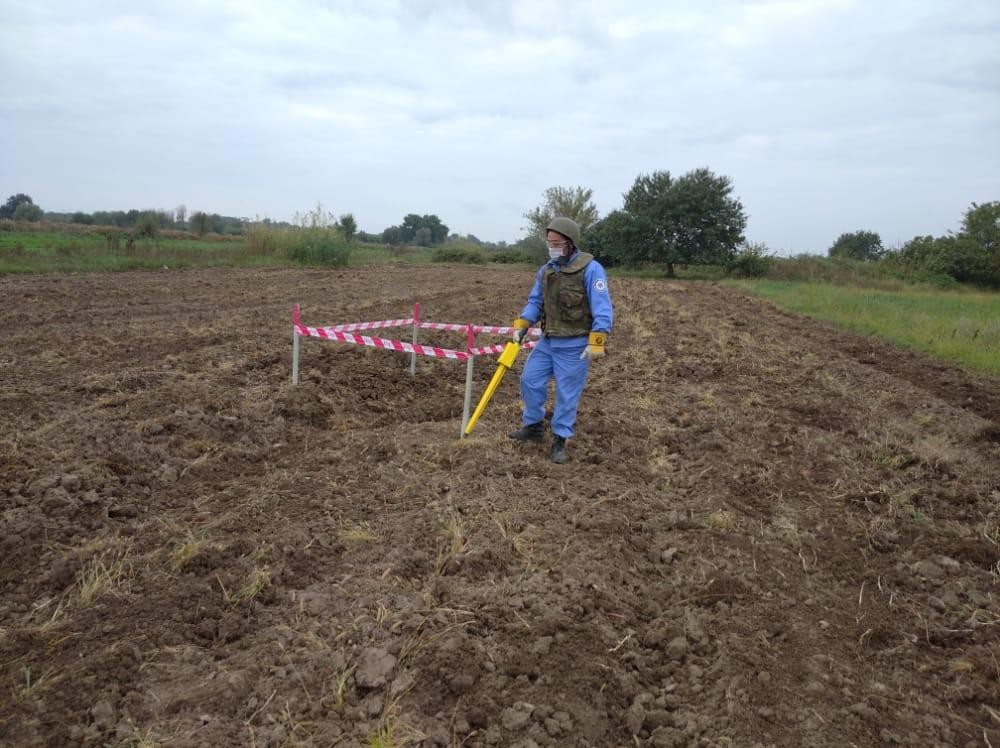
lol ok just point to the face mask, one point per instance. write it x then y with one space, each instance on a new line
555 254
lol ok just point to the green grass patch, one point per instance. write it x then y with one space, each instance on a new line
384 254
885 274
58 251
460 254
959 326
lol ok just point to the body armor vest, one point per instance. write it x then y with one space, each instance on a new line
566 306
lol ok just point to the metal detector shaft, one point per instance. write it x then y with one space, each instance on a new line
505 362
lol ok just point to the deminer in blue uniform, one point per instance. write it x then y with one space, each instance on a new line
570 298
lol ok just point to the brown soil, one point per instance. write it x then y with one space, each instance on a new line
770 533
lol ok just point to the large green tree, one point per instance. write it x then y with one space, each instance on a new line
572 202
348 226
858 245
27 212
415 229
617 239
200 222
12 204
691 220
981 223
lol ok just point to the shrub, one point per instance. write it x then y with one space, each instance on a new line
266 240
752 260
27 212
319 246
889 273
147 226
467 255
858 245
961 258
114 239
307 245
512 257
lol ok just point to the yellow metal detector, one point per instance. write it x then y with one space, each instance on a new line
505 362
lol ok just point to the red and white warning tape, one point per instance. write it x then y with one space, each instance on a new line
371 325
343 333
492 350
329 333
490 329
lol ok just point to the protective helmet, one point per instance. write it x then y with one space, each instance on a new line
567 227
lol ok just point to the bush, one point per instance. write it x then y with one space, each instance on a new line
858 245
960 258
512 257
147 226
467 255
27 212
266 240
318 247
752 260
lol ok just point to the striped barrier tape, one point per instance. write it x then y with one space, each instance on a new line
475 328
343 333
328 333
490 329
490 350
371 325
331 333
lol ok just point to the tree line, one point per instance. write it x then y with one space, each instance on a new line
22 207
694 219
972 255
691 219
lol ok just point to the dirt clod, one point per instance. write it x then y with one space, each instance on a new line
374 668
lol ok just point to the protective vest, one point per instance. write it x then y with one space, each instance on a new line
565 305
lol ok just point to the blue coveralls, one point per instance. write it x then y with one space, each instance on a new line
560 357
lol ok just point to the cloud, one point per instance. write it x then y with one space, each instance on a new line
472 109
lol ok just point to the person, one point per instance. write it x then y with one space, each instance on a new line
570 298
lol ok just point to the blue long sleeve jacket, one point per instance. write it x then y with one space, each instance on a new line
596 282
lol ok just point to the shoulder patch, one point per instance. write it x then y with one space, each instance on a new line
600 285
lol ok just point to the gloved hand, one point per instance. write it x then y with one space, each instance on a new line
520 326
595 345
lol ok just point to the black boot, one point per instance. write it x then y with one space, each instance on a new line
558 450
533 432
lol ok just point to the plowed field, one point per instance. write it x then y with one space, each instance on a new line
770 532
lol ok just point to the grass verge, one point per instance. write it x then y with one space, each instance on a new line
959 326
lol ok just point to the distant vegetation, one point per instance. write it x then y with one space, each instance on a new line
690 225
317 238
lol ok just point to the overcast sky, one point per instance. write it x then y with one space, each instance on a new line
828 115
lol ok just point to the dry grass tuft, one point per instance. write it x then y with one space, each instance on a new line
961 666
454 541
723 520
644 402
31 684
258 581
186 552
708 400
357 534
103 575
